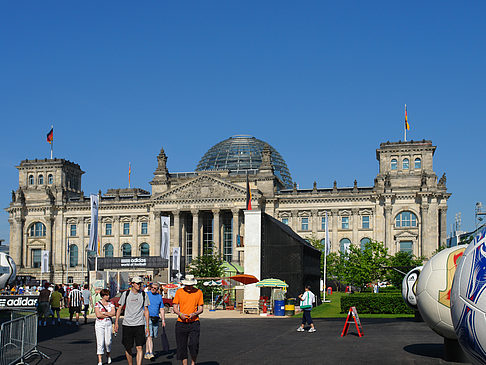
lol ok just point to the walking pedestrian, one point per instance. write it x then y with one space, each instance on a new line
43 307
136 321
104 311
87 300
55 302
307 298
188 304
156 312
75 300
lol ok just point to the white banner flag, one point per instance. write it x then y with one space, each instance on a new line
165 237
93 234
328 244
176 258
44 261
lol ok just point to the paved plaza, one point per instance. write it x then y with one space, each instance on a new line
253 340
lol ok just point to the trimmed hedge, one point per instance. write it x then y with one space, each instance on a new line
375 303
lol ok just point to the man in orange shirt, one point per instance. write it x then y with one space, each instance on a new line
188 305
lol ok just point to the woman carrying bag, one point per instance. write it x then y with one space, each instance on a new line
306 301
104 310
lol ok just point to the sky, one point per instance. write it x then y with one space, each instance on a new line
323 82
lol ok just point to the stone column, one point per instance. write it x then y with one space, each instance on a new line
216 231
49 245
314 223
236 225
195 234
177 228
156 233
134 234
355 225
295 220
388 225
116 237
25 249
81 248
443 226
334 231
424 212
16 240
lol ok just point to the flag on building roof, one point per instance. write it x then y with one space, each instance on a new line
407 126
50 136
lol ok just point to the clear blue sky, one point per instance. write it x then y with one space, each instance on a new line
324 82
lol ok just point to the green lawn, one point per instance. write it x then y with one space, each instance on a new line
332 309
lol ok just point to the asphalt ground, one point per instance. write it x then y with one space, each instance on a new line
265 341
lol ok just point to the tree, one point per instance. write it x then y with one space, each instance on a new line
403 261
363 266
207 266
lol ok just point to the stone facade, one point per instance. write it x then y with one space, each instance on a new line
405 208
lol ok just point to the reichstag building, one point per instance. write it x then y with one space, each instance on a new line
405 208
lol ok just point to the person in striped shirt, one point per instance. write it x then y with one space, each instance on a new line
75 300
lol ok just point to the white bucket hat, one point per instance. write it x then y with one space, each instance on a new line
189 280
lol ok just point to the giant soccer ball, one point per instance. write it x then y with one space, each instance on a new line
434 290
468 300
409 287
8 270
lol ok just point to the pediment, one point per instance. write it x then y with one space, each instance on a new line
405 235
204 187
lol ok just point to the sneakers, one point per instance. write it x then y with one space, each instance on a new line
312 330
147 356
109 360
300 329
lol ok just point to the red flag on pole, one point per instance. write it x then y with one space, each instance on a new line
50 136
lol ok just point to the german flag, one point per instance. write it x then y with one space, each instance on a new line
407 126
248 194
50 136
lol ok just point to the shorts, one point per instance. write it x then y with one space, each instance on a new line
75 309
153 329
43 309
132 334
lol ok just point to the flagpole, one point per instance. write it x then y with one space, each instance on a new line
405 124
52 142
67 262
129 173
325 260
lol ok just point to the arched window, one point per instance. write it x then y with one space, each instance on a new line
144 249
108 249
394 164
363 243
50 179
37 229
31 179
405 164
40 179
344 244
73 256
126 250
418 163
323 245
406 219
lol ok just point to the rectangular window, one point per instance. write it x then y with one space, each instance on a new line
207 235
189 239
305 224
36 258
406 246
365 221
72 230
108 229
345 222
89 229
126 228
227 239
323 223
285 221
144 227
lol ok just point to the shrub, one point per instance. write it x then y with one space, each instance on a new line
375 303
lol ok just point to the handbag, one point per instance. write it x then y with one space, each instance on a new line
165 340
305 302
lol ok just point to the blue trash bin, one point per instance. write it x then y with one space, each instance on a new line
279 309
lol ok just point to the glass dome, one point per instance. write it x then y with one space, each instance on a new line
242 153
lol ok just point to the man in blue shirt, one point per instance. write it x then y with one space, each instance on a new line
156 309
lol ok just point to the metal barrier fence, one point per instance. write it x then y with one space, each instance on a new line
18 338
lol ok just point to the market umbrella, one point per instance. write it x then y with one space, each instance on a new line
271 283
212 283
244 279
170 286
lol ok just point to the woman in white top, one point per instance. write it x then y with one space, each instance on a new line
104 310
307 300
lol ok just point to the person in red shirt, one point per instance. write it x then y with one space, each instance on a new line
188 304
